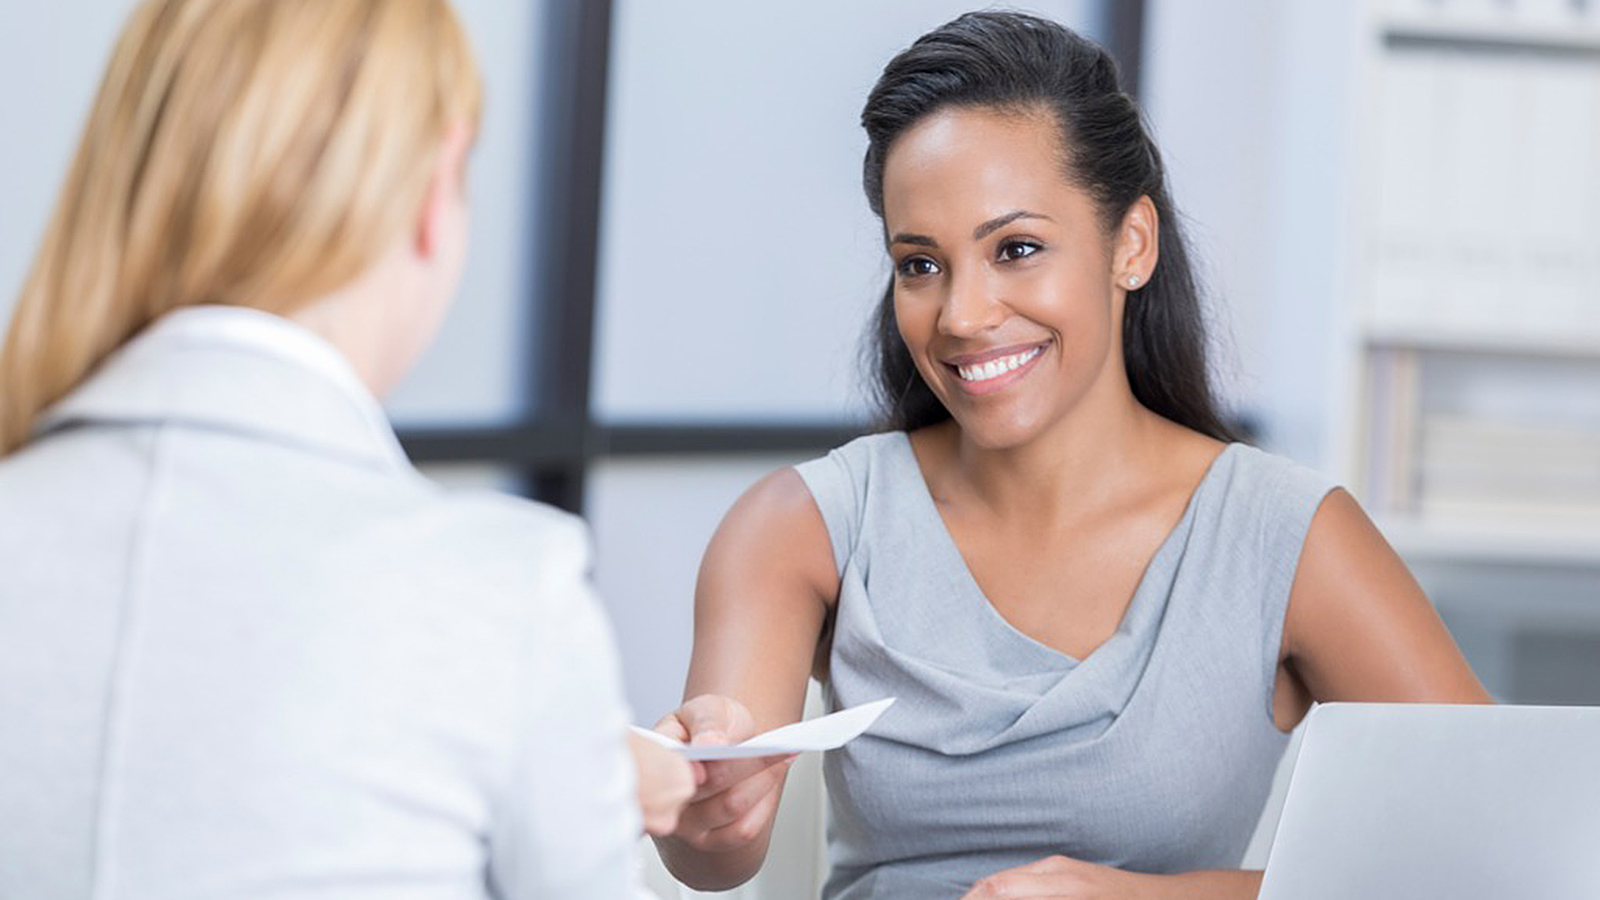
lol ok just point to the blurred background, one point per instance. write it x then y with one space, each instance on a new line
1397 206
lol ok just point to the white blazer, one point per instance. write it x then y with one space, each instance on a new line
246 651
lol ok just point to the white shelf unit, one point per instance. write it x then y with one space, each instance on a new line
1501 26
1474 319
1571 345
1491 542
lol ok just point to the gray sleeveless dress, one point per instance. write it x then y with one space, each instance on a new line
1155 753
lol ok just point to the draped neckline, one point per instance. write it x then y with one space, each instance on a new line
1134 614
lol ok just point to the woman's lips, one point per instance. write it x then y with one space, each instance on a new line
985 373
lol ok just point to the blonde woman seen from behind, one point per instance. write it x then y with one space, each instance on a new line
245 649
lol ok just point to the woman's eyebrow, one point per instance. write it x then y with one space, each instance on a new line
998 222
978 234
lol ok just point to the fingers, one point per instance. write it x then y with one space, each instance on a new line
1018 885
747 827
734 800
1052 865
721 775
672 728
1053 876
736 815
715 719
670 796
665 783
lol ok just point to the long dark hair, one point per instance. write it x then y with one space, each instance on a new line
1017 61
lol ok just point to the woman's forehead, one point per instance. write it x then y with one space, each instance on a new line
976 162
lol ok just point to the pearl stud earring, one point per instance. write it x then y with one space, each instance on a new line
1133 281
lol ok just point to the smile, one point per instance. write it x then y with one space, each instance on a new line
989 370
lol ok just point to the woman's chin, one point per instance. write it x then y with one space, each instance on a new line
998 432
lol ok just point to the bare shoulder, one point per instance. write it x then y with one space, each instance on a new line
1359 627
775 532
781 502
1346 561
1341 528
1345 566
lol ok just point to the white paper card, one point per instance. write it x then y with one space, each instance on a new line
822 733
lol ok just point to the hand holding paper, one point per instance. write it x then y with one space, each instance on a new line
822 733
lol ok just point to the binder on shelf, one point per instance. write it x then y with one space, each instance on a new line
1547 13
1409 191
1479 467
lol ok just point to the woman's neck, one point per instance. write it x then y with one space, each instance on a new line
1092 457
380 320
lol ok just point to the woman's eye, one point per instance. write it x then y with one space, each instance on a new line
915 266
1013 250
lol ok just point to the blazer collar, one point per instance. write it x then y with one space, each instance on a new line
242 370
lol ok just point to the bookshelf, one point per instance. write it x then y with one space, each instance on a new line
1444 338
1568 30
1466 541
1474 320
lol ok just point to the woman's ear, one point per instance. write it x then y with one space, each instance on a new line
446 189
1137 245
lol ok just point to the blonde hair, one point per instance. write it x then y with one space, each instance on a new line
250 152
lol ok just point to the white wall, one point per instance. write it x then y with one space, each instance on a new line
1252 104
51 58
739 260
474 371
652 520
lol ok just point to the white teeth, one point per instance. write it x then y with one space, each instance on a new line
997 367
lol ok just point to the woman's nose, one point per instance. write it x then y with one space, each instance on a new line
971 306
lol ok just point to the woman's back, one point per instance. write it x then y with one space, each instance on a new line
246 650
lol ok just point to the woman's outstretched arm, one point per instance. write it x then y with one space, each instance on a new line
765 588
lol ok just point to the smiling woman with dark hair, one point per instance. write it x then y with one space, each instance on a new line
1100 614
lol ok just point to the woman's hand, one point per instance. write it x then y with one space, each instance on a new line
1070 879
665 783
1063 877
734 800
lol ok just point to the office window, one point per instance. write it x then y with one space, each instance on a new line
481 368
671 263
738 264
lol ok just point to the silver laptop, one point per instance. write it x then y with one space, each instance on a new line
1459 802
